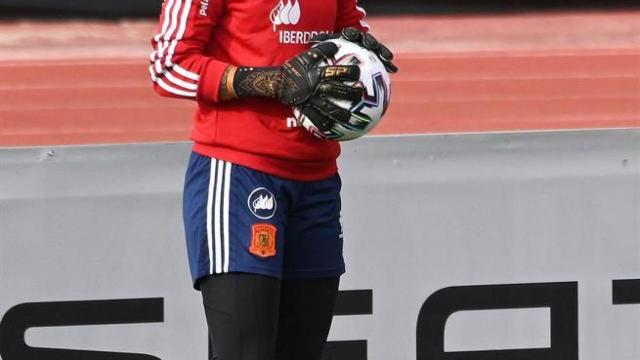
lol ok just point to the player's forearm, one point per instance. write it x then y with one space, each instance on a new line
243 82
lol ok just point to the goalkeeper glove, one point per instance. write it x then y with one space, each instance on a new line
365 40
302 81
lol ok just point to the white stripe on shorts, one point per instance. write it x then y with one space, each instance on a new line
212 183
218 216
225 214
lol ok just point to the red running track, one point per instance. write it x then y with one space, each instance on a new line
78 83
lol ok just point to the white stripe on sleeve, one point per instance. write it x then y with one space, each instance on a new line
169 88
182 29
180 82
174 23
176 18
163 31
184 72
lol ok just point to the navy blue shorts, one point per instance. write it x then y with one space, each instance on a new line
242 220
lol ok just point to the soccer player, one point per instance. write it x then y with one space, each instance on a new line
262 195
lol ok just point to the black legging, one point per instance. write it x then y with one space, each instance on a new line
254 317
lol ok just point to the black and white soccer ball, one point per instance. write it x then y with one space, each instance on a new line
368 111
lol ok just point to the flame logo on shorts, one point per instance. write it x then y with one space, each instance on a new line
262 203
286 14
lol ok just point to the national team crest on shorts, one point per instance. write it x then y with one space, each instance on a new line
262 203
263 241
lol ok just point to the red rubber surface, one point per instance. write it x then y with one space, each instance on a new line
79 83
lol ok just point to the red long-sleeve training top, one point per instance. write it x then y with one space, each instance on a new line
195 43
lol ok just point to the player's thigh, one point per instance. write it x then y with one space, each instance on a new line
314 240
235 219
258 209
242 315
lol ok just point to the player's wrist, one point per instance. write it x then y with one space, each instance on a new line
227 91
263 82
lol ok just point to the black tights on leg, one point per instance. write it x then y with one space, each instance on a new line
306 312
255 317
242 314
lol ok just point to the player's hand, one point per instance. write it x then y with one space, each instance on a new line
307 85
304 78
365 40
304 82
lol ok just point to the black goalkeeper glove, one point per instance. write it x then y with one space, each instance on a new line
302 82
365 40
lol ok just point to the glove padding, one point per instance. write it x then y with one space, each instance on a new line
365 40
307 85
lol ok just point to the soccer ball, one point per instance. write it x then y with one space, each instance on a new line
366 113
